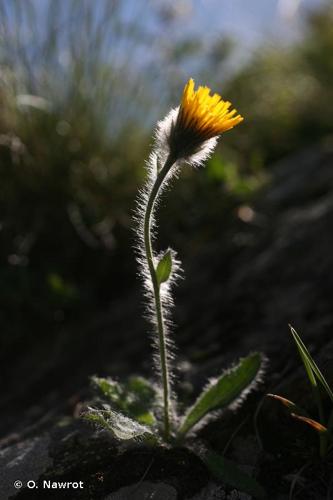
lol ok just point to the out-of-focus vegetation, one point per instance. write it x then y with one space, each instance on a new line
79 93
284 93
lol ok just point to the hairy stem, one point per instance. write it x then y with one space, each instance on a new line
156 290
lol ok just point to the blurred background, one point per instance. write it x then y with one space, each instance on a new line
82 84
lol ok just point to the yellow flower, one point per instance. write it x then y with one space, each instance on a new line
201 117
206 114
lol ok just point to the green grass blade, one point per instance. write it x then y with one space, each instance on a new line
310 364
300 347
221 392
228 472
330 424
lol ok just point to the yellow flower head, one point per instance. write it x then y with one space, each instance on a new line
201 117
207 114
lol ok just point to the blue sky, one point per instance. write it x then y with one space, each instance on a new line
251 23
248 21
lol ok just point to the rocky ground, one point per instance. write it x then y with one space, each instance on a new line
273 268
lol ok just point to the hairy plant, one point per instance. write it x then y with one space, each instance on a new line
139 408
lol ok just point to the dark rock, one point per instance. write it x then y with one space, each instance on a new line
145 489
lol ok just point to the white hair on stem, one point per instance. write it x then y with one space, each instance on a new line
162 166
144 272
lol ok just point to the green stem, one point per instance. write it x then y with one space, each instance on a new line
323 441
156 289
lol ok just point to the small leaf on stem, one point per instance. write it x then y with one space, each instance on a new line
164 267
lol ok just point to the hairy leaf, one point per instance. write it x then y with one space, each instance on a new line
119 425
220 393
141 398
108 388
227 471
164 267
135 397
